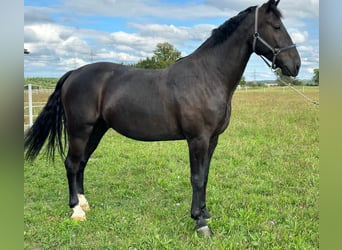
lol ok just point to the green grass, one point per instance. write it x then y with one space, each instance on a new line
43 82
263 187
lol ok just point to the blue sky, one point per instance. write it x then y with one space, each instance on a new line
64 34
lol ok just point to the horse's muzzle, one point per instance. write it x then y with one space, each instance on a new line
291 68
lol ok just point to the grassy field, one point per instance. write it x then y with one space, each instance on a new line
263 187
41 82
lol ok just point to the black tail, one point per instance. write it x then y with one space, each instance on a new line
49 124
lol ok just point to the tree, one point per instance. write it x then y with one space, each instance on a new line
242 81
315 78
164 55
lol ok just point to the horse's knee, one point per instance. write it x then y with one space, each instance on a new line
198 183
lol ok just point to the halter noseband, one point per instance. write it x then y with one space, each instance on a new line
275 51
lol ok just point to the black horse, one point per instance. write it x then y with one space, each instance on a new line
190 100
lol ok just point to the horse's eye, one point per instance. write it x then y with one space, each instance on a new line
276 27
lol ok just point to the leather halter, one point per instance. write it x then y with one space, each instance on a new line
275 51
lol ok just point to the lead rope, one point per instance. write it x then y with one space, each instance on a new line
296 90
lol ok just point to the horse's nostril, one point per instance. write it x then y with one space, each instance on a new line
297 67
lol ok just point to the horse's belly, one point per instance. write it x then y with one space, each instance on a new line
145 127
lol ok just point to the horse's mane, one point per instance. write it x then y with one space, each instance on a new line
221 34
225 30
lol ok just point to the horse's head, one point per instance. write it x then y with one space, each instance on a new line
272 40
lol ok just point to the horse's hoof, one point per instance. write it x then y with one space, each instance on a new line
204 231
82 201
85 207
78 214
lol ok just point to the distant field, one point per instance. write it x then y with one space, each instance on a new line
44 82
263 186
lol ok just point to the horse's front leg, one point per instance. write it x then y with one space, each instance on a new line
199 165
212 145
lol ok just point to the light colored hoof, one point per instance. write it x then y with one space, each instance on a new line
82 201
78 214
85 207
204 231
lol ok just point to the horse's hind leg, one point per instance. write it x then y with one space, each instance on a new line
99 130
82 143
73 164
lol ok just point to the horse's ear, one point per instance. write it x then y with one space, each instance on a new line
272 3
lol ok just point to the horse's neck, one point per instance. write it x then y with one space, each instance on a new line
229 59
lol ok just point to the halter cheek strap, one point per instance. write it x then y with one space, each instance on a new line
275 51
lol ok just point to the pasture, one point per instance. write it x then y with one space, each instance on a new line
262 193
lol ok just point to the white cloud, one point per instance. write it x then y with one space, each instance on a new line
69 63
142 43
65 44
302 9
110 55
173 34
134 41
310 70
47 33
297 36
148 8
